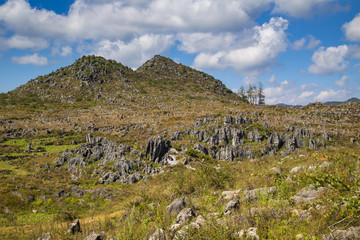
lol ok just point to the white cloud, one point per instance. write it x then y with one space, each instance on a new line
282 93
354 51
310 86
260 51
250 80
299 44
352 29
203 42
137 51
272 79
342 81
66 51
299 8
329 61
112 19
311 41
331 95
34 59
21 42
306 94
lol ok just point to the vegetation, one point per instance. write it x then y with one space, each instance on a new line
37 128
252 94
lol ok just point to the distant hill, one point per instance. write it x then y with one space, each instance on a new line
93 80
353 100
286 105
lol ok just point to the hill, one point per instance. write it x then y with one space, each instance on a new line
97 150
349 101
93 81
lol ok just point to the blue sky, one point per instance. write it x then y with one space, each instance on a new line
302 50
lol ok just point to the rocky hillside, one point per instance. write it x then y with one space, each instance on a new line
96 81
97 150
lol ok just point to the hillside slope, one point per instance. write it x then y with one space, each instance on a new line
96 81
167 152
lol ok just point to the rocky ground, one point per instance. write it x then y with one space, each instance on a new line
210 167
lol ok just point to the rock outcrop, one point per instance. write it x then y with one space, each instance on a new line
156 148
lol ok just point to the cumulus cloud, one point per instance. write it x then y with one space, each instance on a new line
329 61
33 59
299 8
310 42
88 19
66 51
306 94
299 44
135 52
281 93
251 58
331 95
204 42
352 29
23 42
310 86
342 81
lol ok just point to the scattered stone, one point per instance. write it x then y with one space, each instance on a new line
185 215
248 234
177 205
199 222
45 236
254 194
232 205
297 169
349 234
227 195
7 211
307 195
324 165
276 170
96 236
159 234
75 227
300 237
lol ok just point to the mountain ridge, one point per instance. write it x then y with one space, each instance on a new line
100 81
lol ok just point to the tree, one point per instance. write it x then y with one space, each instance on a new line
260 93
242 94
252 94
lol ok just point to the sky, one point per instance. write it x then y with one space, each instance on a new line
302 51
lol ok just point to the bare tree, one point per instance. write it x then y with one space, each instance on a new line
252 94
260 93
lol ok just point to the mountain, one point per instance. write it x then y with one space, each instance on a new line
353 100
286 105
94 80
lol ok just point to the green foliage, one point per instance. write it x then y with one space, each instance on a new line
204 178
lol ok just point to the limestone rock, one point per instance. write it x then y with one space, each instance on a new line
185 215
45 236
156 148
159 234
75 227
96 236
307 195
177 205
349 234
232 205
254 194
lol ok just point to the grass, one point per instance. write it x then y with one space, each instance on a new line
276 215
